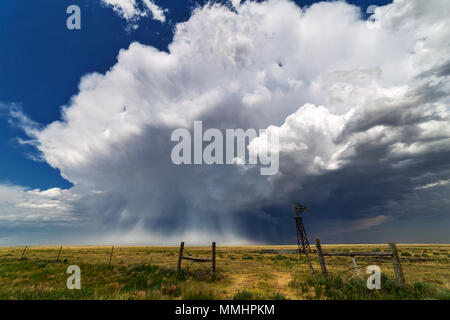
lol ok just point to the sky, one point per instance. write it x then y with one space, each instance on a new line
360 100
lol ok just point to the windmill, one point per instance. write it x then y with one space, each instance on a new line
302 238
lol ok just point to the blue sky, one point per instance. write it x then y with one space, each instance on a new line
42 63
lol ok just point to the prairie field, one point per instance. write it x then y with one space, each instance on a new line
251 272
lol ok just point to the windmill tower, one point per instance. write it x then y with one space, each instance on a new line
302 238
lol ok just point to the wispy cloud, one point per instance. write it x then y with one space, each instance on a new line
353 225
132 12
157 12
434 184
22 206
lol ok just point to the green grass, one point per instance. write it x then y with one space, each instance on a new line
241 273
406 254
336 288
199 293
139 281
247 295
278 296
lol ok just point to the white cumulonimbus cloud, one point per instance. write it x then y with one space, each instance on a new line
361 108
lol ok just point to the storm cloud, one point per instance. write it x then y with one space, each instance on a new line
361 108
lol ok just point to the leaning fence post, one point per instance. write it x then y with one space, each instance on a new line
23 252
110 257
397 266
355 266
180 256
59 253
213 258
321 258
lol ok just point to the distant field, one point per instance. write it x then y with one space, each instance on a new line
242 272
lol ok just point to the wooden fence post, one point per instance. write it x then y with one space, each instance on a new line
397 266
321 258
213 258
355 266
23 252
110 257
59 253
180 256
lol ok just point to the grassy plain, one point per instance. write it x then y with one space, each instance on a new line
242 273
